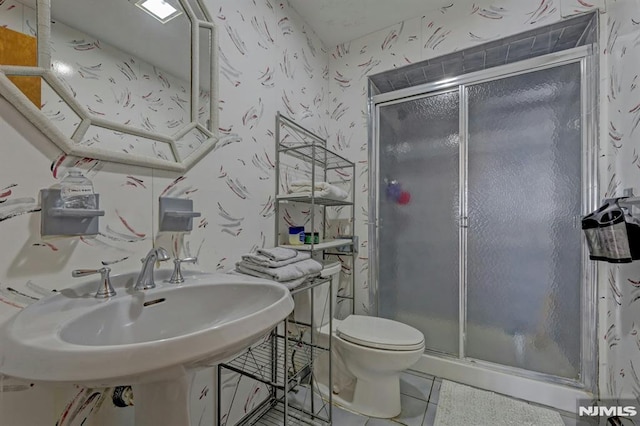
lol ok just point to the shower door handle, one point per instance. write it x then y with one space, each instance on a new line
464 221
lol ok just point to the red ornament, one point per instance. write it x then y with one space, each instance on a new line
404 198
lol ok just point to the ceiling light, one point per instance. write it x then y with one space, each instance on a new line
159 9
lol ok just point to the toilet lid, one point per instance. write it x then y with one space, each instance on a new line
380 333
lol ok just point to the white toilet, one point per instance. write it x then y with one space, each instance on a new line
369 353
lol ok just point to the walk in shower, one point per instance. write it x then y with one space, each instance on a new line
483 252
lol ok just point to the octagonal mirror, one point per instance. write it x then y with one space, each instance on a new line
130 81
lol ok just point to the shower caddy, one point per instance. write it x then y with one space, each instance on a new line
283 361
612 231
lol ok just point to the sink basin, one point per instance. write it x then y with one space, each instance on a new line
139 336
169 314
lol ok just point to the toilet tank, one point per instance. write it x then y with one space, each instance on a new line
321 297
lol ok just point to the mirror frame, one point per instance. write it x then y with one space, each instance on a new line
71 145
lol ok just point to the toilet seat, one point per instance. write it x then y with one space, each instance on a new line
379 333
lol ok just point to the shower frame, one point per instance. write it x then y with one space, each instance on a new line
530 385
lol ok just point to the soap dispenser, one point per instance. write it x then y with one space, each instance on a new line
70 208
76 191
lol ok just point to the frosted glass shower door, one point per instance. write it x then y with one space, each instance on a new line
418 242
523 248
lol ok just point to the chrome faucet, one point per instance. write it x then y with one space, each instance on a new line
145 279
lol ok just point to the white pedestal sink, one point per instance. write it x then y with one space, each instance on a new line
150 339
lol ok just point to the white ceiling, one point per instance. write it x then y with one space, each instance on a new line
339 21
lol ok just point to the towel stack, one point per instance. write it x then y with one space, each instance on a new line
320 189
289 267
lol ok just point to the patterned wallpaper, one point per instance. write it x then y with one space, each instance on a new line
620 285
269 61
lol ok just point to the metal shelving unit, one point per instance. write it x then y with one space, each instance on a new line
286 366
295 141
282 362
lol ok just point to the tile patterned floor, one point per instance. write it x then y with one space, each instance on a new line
419 398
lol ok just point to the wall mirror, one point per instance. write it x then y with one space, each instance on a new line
129 81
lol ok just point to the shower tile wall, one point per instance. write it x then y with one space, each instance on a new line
270 61
461 25
531 43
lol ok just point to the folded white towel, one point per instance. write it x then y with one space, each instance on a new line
288 284
289 272
320 189
304 183
261 260
278 253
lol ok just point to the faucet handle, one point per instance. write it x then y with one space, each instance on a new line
176 277
79 273
105 290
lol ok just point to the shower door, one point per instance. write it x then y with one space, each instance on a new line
486 258
418 241
524 192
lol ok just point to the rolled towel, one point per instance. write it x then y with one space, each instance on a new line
302 185
336 192
320 189
289 272
261 260
278 253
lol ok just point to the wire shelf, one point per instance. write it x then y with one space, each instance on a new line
330 243
321 201
308 284
274 416
257 362
339 253
317 154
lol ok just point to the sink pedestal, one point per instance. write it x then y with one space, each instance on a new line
163 403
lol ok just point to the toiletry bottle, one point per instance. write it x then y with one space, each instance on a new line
76 191
296 235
